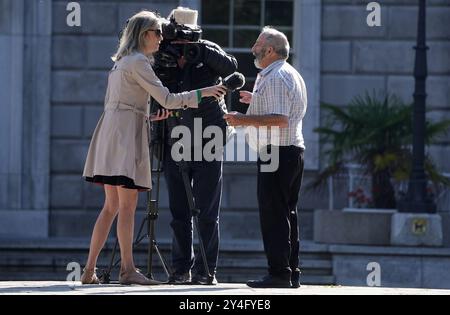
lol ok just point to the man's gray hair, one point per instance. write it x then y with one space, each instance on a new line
277 40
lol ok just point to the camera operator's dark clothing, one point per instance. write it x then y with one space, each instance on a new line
206 177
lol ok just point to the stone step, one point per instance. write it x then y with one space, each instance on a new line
239 260
245 247
235 223
227 259
261 262
305 279
225 276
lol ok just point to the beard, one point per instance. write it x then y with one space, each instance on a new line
258 57
257 64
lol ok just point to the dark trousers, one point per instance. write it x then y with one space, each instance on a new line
277 199
206 178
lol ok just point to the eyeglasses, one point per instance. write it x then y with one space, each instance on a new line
158 32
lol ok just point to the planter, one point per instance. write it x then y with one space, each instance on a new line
356 226
369 210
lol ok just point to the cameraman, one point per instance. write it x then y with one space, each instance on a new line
183 66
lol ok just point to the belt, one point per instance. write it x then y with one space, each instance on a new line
286 147
124 106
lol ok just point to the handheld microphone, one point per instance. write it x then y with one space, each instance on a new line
234 81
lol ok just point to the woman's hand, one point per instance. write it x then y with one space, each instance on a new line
216 91
161 114
246 97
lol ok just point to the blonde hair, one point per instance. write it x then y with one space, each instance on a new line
132 38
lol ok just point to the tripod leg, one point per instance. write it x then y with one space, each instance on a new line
151 229
195 212
106 276
165 265
139 238
202 250
151 217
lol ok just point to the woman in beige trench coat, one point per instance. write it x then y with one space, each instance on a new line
118 156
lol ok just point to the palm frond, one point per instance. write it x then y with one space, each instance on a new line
375 132
434 130
434 175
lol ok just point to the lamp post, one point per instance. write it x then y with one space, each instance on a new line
416 200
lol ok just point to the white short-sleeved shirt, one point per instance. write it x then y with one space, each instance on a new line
279 89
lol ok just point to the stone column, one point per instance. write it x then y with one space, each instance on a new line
25 38
307 41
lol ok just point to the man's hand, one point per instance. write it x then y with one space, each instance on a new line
246 97
233 118
160 115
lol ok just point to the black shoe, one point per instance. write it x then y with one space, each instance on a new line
177 278
203 280
295 279
270 282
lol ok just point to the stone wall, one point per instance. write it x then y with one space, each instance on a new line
80 64
357 58
53 82
25 41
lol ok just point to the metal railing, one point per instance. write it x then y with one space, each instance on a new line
443 197
351 176
355 179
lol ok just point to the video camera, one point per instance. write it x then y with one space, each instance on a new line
179 40
173 31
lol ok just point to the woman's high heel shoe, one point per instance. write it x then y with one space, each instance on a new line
136 277
89 276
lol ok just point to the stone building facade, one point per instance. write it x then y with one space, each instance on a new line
53 81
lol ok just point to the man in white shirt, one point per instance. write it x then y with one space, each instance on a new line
278 102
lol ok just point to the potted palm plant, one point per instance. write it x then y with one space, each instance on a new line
377 134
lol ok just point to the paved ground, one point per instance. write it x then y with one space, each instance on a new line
75 288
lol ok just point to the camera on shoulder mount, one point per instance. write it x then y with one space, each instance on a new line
180 40
173 31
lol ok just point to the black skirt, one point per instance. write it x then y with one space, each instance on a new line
121 181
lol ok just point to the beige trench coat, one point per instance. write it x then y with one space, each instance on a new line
119 145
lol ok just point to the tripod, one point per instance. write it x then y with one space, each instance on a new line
149 221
